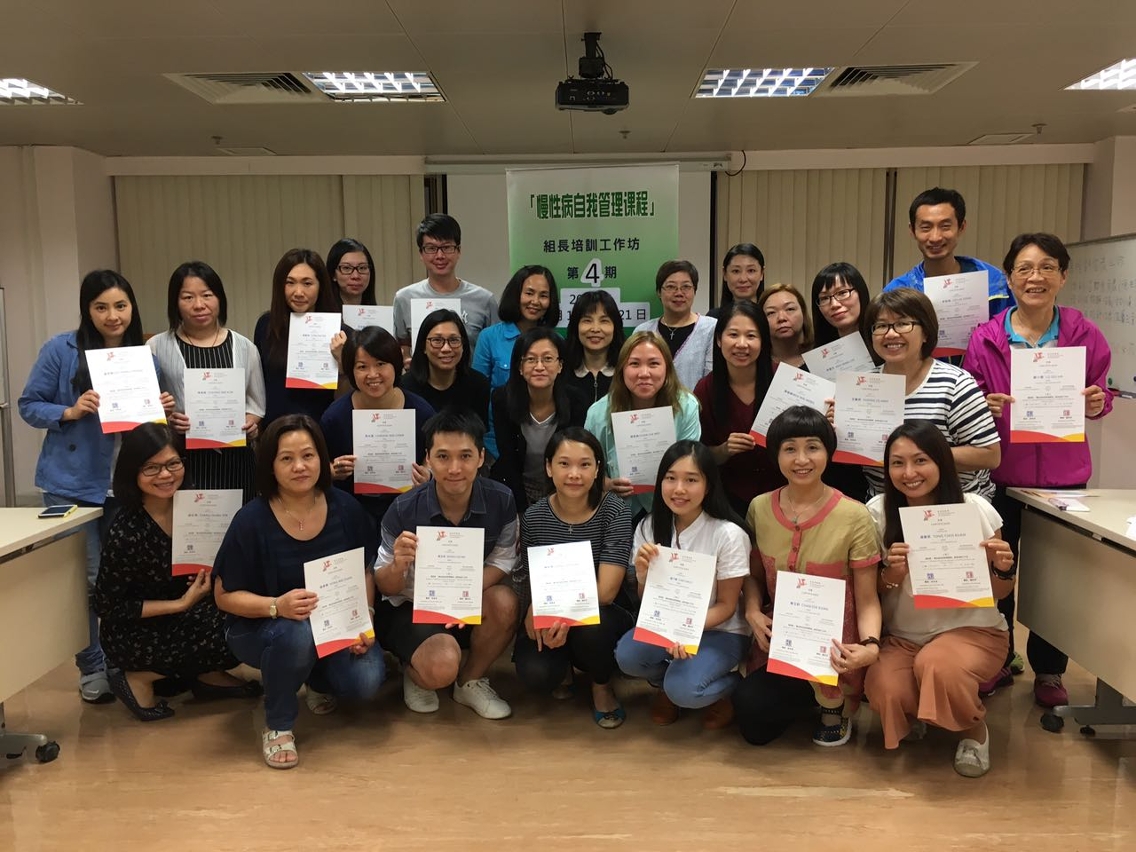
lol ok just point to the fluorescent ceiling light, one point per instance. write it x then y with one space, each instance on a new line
371 88
14 90
1122 75
760 82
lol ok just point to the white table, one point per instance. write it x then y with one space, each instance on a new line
43 607
1077 589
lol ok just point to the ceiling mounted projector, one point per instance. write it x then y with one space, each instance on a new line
596 89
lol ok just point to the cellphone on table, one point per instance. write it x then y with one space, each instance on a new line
60 511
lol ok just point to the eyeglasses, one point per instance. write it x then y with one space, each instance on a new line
545 360
446 250
152 470
905 326
439 342
347 269
677 288
1045 270
835 296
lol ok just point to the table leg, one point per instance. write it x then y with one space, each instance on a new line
1110 708
13 744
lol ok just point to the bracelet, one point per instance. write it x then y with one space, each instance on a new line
887 583
871 640
1005 575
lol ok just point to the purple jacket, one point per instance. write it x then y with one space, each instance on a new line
1039 465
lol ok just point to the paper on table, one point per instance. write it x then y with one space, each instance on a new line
962 303
201 519
215 406
1047 386
562 578
676 599
789 387
448 572
808 614
127 385
383 443
868 407
310 364
340 582
845 354
947 565
366 316
422 308
641 438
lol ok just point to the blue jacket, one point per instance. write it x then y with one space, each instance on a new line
1000 295
76 457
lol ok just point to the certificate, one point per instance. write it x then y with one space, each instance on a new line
868 407
676 598
364 316
847 354
1047 386
962 303
563 582
127 385
641 438
201 519
383 443
789 387
947 564
422 308
808 613
310 364
215 406
340 582
448 572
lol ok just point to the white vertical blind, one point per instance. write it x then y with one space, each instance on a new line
382 212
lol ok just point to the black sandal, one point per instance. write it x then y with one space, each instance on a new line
211 691
120 686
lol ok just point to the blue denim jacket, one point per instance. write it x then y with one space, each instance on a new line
76 457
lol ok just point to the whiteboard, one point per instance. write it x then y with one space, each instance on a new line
1102 285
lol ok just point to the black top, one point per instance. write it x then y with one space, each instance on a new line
592 387
470 391
280 400
675 337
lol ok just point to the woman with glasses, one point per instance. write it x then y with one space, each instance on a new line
790 330
839 298
1036 266
532 406
352 273
439 369
592 343
743 276
154 625
689 335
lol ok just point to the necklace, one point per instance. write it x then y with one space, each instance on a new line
193 342
299 521
800 511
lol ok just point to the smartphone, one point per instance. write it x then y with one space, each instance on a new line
60 511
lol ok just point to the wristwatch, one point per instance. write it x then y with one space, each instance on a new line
272 608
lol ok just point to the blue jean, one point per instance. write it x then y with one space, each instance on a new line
90 660
285 653
695 682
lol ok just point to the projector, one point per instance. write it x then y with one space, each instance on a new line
599 95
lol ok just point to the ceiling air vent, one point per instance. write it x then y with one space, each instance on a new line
1002 138
248 88
878 80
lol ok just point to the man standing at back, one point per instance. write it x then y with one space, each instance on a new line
439 246
937 219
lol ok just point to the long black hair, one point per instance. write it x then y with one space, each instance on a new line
517 389
420 365
926 436
139 445
510 308
715 504
580 435
279 314
830 278
94 284
335 254
743 250
586 303
195 269
764 365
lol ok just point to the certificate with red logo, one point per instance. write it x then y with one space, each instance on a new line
215 406
962 303
947 565
366 316
201 519
341 614
868 407
127 385
843 355
1047 386
641 438
676 598
383 443
448 570
562 578
789 387
808 613
310 363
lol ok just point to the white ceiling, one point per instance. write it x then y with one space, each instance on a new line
498 63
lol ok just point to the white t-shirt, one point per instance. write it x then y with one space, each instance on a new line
725 541
920 626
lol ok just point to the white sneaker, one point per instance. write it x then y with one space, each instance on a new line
972 759
416 698
480 697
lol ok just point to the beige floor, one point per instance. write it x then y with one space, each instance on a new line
549 779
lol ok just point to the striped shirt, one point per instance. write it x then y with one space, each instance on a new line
950 398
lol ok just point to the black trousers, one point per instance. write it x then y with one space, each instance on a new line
766 704
590 649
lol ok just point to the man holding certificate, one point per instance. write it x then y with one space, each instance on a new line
469 524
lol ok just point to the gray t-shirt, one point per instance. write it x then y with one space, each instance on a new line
479 307
537 436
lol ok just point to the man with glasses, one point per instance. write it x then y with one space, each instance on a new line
689 335
439 246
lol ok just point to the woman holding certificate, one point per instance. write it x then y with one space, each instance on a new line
730 398
593 340
578 510
1036 266
933 659
76 457
791 333
694 515
372 360
262 579
352 272
155 625
532 406
300 287
645 380
198 341
809 528
440 369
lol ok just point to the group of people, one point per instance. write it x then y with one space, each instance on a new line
515 437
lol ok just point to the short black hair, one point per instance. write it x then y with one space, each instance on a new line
376 342
799 421
440 226
580 435
938 195
419 364
904 302
460 421
195 269
1049 243
509 309
586 303
139 445
269 444
347 245
670 267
